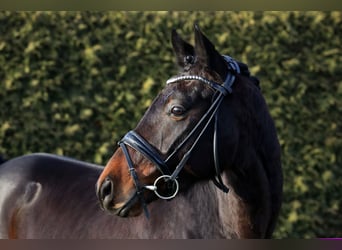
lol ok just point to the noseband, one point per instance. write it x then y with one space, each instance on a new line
135 141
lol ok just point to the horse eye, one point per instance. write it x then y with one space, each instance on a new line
177 110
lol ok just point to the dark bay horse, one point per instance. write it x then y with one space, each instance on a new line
203 162
210 122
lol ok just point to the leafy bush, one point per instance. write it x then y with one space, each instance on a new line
72 83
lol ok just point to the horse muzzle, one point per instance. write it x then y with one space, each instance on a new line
106 197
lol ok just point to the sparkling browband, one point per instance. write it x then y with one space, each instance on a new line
225 88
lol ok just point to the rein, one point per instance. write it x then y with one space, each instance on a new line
135 141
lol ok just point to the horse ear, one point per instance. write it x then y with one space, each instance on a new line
185 53
207 55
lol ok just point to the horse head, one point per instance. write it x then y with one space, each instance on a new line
190 133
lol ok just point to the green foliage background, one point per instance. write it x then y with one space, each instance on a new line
72 83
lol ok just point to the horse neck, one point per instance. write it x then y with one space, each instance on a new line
215 214
248 170
191 214
203 211
236 211
224 211
211 213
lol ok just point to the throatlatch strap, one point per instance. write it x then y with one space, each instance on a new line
218 182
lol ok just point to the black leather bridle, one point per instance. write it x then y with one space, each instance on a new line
135 141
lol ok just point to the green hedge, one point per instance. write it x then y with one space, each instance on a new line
72 83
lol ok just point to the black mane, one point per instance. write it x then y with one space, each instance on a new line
245 72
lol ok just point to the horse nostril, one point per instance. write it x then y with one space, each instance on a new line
106 188
105 192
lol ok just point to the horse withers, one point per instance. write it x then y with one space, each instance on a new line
203 162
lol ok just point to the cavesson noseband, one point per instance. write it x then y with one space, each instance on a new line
135 141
